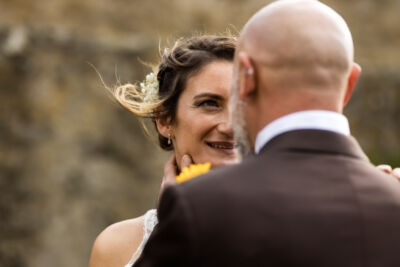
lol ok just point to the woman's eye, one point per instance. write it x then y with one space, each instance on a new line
209 103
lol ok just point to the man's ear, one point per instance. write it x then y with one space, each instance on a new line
351 82
246 76
164 126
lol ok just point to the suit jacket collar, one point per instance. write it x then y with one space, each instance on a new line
303 120
317 141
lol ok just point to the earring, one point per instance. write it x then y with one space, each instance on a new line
169 139
250 71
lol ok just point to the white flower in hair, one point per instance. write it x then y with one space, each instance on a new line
149 88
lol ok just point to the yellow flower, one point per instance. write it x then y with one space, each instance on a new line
193 171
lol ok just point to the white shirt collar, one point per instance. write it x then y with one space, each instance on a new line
310 119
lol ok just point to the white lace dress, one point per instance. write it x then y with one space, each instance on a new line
150 221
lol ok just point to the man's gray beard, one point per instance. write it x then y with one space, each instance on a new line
239 125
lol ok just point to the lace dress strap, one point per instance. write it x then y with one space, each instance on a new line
150 221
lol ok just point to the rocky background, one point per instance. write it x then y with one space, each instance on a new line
72 161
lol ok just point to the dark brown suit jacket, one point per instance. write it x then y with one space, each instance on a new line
310 198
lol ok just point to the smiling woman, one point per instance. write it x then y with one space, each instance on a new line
187 98
202 128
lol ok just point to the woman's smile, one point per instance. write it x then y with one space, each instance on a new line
222 146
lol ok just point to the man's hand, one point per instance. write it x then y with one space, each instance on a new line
170 171
388 169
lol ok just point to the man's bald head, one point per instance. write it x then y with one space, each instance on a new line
293 55
304 41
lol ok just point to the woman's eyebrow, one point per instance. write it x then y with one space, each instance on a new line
209 95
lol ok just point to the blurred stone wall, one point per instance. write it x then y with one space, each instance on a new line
72 161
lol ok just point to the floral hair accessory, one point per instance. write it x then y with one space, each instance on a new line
150 88
192 171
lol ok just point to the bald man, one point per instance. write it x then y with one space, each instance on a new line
309 197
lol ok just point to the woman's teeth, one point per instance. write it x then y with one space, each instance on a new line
219 146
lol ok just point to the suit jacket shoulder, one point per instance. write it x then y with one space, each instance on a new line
311 198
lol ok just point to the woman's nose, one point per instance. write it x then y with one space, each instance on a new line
225 126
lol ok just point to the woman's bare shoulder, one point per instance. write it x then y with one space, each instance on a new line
117 243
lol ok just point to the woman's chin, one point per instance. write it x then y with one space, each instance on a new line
217 161
225 162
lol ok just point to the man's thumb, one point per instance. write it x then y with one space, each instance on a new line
186 161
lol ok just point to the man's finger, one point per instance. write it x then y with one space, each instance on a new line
169 167
396 173
186 161
169 174
385 168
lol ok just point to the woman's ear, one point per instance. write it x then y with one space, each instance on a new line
164 126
